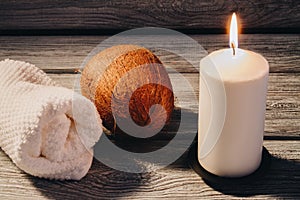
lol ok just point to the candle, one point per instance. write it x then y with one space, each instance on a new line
233 89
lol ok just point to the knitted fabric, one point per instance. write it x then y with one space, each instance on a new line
47 130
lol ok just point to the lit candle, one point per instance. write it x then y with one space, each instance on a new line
233 89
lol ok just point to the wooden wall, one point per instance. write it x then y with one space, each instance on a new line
197 15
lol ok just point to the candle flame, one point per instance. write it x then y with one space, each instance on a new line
233 35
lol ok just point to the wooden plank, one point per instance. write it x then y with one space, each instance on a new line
176 181
118 14
283 102
58 54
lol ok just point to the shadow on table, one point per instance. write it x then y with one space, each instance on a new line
100 182
183 123
281 180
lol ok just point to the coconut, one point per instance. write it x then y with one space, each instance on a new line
130 78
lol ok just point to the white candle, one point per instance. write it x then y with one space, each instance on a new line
233 89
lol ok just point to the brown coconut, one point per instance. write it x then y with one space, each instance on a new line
104 71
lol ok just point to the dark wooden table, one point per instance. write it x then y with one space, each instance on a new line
60 55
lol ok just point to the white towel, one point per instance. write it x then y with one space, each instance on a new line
47 130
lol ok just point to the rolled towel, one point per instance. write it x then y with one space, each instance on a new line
47 130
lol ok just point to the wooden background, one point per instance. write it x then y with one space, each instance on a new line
200 16
57 35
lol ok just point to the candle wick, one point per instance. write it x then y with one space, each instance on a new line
233 48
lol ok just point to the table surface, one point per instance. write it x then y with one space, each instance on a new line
61 56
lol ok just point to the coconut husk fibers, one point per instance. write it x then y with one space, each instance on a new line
102 73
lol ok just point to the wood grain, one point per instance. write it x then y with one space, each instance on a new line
118 14
283 101
177 181
64 54
60 56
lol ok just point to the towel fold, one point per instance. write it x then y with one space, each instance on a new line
47 130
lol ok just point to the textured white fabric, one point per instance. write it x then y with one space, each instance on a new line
47 130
